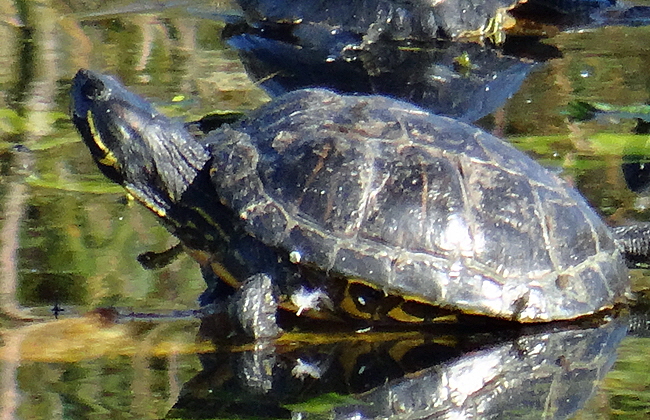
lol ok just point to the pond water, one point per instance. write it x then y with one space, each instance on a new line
125 342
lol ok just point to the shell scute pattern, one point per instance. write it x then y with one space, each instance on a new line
608 271
417 204
417 198
374 262
506 219
572 240
315 245
501 155
446 135
417 274
326 182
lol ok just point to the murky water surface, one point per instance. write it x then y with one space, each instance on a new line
70 238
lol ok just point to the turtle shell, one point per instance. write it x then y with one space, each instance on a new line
418 205
388 19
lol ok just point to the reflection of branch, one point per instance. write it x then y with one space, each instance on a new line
173 368
8 383
39 90
14 209
148 24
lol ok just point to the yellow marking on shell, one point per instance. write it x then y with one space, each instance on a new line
402 347
109 158
418 299
349 363
448 319
348 304
398 314
130 198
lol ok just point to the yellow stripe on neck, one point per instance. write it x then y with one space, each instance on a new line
109 158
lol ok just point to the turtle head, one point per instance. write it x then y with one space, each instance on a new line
134 145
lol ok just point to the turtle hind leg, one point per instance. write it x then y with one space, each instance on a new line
634 242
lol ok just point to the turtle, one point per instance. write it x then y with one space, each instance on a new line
367 21
360 207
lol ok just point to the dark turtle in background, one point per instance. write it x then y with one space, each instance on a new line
359 207
417 51
361 22
387 19
412 50
465 81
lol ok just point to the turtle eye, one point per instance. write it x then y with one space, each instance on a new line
88 85
92 89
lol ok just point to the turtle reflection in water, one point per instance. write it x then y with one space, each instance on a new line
358 207
548 373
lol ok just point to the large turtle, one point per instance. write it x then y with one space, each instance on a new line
360 206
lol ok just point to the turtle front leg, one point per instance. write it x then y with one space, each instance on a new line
254 306
249 312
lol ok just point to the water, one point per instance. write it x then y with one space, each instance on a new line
70 238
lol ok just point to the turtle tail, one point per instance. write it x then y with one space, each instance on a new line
634 242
